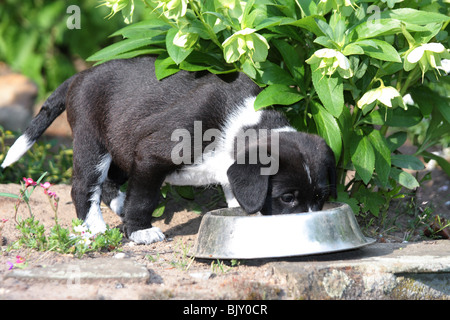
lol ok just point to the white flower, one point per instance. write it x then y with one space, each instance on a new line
331 60
416 54
445 66
428 56
185 39
383 94
80 229
248 42
407 99
173 9
86 241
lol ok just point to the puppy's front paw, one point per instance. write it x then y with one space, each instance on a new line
147 236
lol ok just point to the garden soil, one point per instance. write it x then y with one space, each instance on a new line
173 274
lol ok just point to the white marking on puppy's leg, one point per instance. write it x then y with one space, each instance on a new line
147 236
17 150
117 203
229 196
94 219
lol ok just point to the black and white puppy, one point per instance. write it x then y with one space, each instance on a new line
188 129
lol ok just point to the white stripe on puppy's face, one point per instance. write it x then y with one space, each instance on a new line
94 219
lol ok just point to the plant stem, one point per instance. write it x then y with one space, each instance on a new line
210 31
409 80
384 128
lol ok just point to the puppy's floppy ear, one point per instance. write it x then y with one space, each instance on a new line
249 186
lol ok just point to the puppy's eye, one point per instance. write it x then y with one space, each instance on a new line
287 198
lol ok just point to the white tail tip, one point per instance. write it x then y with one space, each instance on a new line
18 149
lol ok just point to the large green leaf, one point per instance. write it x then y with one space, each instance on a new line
165 66
277 94
380 50
143 29
308 23
407 161
381 27
363 156
375 28
413 16
404 178
330 91
293 62
396 140
308 7
328 128
382 156
120 48
270 73
178 54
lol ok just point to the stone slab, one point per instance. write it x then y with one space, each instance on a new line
379 271
87 271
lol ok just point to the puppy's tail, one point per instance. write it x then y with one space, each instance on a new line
52 108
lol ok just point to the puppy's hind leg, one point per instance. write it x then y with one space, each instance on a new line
90 168
111 194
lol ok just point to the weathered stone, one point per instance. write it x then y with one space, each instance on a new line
87 271
379 271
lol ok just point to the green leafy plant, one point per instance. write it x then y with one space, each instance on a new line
36 40
339 68
43 156
34 235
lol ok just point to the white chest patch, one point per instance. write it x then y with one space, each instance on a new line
212 168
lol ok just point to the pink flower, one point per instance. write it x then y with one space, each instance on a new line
20 259
46 185
4 220
11 265
29 182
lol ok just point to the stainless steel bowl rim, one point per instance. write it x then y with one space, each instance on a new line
231 234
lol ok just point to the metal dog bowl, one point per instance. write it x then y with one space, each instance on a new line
232 234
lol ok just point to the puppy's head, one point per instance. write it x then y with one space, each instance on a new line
305 176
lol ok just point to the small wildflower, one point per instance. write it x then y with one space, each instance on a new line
4 220
86 241
20 259
29 182
80 229
51 194
10 264
46 185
